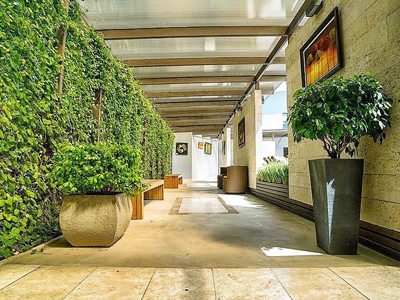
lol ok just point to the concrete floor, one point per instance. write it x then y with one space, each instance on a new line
260 252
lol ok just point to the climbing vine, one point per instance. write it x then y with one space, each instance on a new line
34 122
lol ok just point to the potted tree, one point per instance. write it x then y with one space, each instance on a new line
96 181
339 112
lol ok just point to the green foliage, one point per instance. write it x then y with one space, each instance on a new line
34 122
274 172
339 111
97 168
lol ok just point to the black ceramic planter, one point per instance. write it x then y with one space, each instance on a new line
336 186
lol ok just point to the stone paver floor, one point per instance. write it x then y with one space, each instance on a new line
62 282
260 252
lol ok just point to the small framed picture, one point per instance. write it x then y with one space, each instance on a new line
241 133
207 148
200 145
223 147
181 149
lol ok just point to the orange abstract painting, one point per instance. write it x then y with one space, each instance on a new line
320 56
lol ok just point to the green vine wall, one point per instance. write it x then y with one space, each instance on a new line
34 122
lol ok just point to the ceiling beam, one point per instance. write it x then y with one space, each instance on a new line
194 93
195 118
203 112
189 32
196 123
208 79
195 99
194 103
191 61
212 135
205 128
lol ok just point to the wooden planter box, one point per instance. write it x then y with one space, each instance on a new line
272 192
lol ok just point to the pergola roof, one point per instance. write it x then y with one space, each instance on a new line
198 60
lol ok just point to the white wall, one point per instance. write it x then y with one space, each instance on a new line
196 165
205 166
182 164
280 142
273 121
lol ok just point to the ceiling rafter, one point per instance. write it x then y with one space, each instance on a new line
189 113
168 94
190 32
195 103
194 118
199 61
208 79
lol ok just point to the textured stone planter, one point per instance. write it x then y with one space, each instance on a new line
336 186
95 220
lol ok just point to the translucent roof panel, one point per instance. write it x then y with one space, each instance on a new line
278 69
269 86
195 87
118 14
193 47
206 70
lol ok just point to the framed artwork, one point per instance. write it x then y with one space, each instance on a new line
321 56
181 149
223 147
207 148
200 145
241 133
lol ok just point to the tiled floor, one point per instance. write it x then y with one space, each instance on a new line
60 282
259 252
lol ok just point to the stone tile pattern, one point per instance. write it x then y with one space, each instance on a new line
247 155
201 206
61 282
371 42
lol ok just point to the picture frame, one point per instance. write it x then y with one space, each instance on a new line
181 149
200 145
242 133
207 148
223 147
321 56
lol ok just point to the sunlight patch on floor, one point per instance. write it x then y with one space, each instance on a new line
239 200
278 251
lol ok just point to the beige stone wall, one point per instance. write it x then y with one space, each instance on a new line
371 42
246 156
225 159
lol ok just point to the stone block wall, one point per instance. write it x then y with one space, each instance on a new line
371 42
246 155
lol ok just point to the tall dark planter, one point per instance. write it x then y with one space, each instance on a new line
336 186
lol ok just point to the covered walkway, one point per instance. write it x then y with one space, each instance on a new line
201 249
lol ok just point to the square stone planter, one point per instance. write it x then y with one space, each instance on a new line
336 186
95 220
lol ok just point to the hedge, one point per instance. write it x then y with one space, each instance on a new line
34 122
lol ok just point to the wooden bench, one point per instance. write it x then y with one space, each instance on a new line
173 180
154 191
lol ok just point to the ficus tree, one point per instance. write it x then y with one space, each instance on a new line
339 111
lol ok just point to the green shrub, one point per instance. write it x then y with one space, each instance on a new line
274 172
339 111
97 168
